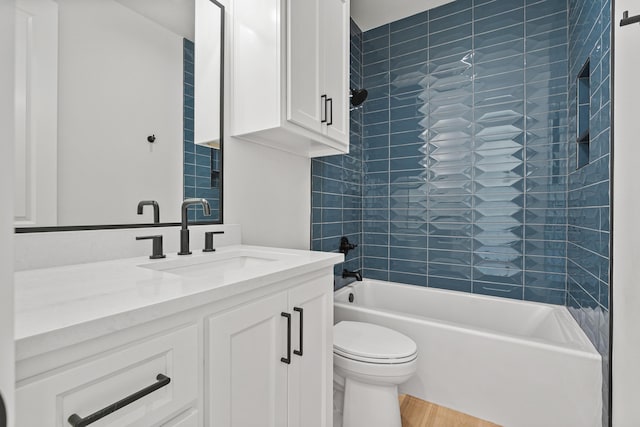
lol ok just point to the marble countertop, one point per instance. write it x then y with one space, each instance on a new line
61 306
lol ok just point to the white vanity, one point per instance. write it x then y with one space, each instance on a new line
238 337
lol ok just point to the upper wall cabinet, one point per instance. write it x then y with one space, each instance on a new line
290 74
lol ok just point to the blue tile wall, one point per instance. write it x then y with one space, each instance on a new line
588 187
200 163
465 149
336 200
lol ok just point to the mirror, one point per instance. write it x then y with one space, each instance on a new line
117 101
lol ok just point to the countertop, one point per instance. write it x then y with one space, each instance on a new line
61 306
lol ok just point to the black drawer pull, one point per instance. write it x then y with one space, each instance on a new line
299 310
287 359
77 421
330 122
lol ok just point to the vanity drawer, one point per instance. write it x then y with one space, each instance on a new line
186 419
167 362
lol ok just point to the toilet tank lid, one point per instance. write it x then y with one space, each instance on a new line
371 341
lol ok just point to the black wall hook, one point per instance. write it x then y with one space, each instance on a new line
626 20
151 138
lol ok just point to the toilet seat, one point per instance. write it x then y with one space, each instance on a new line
369 343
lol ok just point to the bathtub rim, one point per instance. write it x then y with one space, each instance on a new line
586 349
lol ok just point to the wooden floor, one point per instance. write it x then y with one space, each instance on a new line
419 413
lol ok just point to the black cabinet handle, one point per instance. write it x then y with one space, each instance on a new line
330 122
287 359
299 310
323 117
77 421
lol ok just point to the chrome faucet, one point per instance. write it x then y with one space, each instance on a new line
156 209
184 231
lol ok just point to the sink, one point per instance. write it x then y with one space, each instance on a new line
203 266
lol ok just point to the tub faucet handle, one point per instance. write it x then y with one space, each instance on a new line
346 246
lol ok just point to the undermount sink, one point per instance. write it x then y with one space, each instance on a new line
208 265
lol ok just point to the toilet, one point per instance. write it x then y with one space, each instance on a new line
369 362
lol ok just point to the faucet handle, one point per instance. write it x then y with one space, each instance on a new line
208 240
157 252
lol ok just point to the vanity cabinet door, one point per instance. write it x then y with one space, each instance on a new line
305 105
318 66
310 378
247 381
334 15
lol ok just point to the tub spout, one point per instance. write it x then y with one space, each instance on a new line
356 274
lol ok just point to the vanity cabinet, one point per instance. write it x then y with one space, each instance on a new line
270 361
290 74
262 356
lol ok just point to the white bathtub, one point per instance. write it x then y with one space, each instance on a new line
518 364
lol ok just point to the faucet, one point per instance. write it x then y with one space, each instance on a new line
156 209
356 274
184 231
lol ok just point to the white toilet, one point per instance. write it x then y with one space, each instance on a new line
369 362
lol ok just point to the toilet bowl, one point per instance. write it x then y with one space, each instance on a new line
370 361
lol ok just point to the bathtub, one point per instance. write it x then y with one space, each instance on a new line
515 363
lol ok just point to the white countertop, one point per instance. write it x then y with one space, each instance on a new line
62 306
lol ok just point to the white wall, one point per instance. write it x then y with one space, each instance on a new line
267 192
7 381
626 232
120 81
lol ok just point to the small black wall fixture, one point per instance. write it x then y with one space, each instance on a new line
626 20
151 138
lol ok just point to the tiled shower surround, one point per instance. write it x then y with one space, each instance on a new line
469 168
465 149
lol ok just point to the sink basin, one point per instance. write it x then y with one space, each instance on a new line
204 266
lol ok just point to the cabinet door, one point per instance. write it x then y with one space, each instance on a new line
311 374
247 382
335 66
304 103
